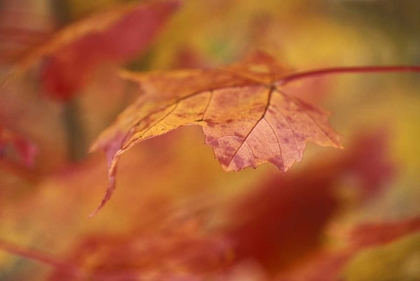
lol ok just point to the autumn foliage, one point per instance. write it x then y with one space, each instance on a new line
88 89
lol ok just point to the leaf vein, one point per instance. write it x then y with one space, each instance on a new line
254 126
299 102
277 139
207 105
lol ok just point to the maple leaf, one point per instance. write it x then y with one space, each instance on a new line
115 35
244 111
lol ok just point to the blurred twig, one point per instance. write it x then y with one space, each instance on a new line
72 111
75 130
39 256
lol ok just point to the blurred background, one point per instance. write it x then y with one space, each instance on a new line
176 215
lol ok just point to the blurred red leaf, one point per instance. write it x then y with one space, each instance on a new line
111 36
25 149
369 161
188 57
278 226
243 109
329 264
20 30
181 252
284 220
378 233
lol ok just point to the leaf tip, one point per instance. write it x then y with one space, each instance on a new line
105 199
338 144
94 146
103 202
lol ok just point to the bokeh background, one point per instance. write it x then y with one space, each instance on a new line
176 215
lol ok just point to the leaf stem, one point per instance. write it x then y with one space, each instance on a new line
347 70
39 256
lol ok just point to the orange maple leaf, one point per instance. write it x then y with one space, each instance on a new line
243 109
